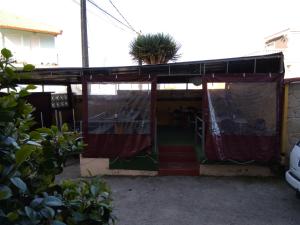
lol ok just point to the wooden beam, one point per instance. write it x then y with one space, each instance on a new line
284 127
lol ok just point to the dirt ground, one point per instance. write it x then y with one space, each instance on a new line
201 200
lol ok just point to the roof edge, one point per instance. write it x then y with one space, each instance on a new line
31 30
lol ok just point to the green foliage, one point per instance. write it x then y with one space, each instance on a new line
154 48
30 160
89 202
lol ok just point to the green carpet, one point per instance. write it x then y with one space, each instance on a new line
171 135
166 135
142 161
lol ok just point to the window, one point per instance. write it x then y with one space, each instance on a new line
192 86
57 89
76 89
103 89
175 86
215 85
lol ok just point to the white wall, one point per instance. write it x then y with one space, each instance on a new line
292 55
29 47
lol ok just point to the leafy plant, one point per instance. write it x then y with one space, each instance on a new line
89 202
30 160
154 48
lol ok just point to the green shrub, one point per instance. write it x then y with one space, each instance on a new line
30 160
89 202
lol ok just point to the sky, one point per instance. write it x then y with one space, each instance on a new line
205 29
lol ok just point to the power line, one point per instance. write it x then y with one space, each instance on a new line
98 7
100 17
122 15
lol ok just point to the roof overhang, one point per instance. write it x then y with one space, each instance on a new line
172 73
54 33
9 21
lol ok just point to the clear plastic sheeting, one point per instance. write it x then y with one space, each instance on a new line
119 108
243 121
243 109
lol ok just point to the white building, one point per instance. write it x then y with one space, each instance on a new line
30 41
288 42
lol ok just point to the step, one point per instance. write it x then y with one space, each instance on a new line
178 172
177 157
178 169
176 148
180 165
178 161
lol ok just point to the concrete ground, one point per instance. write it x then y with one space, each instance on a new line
201 200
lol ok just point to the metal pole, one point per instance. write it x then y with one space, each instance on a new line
74 121
56 118
60 119
84 37
42 119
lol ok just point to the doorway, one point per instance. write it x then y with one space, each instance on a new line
176 111
177 107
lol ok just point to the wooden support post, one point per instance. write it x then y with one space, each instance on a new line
284 127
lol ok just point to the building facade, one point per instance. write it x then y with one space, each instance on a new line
29 41
288 42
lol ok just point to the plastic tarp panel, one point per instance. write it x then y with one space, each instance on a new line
120 112
119 119
243 121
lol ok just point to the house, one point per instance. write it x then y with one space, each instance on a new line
30 41
288 42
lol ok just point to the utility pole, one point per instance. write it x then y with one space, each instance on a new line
84 37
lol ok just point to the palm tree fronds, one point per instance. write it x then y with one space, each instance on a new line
154 48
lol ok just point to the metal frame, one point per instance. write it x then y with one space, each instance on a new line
251 64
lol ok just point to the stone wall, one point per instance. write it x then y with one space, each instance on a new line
293 120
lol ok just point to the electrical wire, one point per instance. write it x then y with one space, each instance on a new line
123 16
101 17
107 13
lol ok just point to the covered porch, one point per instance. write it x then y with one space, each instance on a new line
170 119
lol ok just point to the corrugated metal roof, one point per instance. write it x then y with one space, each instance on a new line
10 21
262 64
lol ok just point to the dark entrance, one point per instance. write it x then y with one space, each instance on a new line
178 105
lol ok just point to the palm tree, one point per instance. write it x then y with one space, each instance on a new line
154 48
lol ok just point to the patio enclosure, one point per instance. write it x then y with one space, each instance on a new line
243 117
118 116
